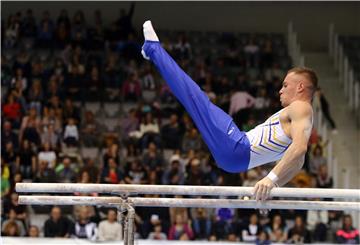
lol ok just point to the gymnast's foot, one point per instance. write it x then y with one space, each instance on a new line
149 35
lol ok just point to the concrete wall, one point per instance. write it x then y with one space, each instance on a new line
311 19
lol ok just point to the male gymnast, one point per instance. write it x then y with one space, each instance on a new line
283 136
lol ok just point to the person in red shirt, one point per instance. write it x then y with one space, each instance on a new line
347 234
12 110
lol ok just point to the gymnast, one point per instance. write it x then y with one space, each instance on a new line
283 136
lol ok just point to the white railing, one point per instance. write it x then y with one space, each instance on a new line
294 48
346 73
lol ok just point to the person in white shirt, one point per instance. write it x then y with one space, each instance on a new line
47 155
71 134
110 229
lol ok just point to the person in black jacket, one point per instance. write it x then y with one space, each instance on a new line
57 225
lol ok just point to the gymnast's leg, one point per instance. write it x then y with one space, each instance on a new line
217 128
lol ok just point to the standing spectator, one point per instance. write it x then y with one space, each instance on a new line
129 124
299 233
84 228
50 136
124 23
180 230
252 54
252 230
317 223
223 223
110 229
57 225
347 234
324 104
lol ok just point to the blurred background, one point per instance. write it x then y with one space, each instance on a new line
79 104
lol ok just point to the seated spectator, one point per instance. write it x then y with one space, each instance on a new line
44 174
135 174
263 239
129 125
157 234
131 89
192 140
112 173
323 179
84 228
36 95
11 229
174 175
110 229
251 231
57 225
277 230
316 159
30 127
171 133
195 175
64 172
201 221
262 100
5 182
152 158
19 81
299 233
50 136
46 29
48 155
34 231
11 110
12 31
52 117
149 131
12 204
252 54
8 135
223 223
92 170
347 234
90 130
180 230
112 151
27 160
12 219
71 133
10 157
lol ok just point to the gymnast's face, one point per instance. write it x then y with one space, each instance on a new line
289 90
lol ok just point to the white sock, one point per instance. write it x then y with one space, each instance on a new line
149 32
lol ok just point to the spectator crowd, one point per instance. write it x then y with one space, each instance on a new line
80 105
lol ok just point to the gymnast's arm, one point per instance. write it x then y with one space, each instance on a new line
300 114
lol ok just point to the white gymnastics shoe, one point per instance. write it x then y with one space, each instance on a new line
149 32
